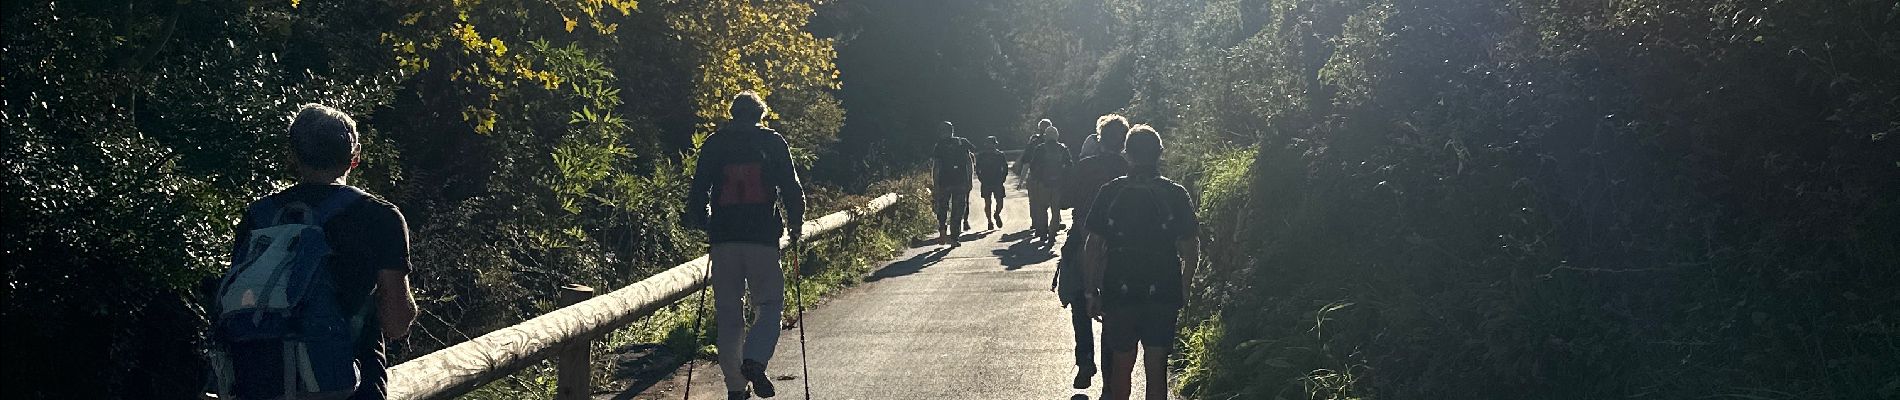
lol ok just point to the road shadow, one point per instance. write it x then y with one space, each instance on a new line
910 265
1018 235
1024 253
973 236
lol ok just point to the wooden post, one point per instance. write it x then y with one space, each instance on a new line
573 372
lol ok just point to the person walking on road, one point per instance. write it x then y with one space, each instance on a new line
1048 162
355 284
1142 247
1080 186
950 171
1035 137
991 170
744 170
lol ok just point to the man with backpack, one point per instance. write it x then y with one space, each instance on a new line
319 279
950 171
991 170
1142 247
744 170
1048 160
1079 187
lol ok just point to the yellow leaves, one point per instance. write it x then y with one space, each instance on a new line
295 3
483 119
568 23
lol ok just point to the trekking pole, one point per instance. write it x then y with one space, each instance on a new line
798 293
699 318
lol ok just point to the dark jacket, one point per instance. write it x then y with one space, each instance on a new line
741 171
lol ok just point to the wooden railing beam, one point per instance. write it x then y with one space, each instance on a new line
466 366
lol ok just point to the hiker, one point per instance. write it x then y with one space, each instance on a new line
744 168
319 279
951 192
1091 145
1079 186
1141 252
991 170
1022 160
1048 161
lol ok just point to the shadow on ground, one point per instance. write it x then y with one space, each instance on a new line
1024 253
910 265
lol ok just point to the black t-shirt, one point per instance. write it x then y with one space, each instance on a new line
366 237
1139 220
992 167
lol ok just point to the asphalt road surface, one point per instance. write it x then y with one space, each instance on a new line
974 322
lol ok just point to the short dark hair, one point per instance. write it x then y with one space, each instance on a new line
993 142
1144 145
748 106
1113 130
323 137
1044 124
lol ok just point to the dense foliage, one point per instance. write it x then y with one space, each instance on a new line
1409 198
1516 199
530 143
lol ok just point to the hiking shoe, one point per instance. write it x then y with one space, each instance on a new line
1084 375
738 395
754 372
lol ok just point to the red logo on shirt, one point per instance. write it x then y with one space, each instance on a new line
744 185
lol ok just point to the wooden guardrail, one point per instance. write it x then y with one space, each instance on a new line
466 366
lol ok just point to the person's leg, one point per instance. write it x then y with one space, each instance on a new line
997 192
989 208
960 215
940 204
766 282
1038 209
728 283
1119 341
940 200
1154 361
1157 343
963 210
1084 342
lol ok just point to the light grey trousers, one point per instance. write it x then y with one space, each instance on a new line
737 267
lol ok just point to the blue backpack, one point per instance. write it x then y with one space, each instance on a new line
279 331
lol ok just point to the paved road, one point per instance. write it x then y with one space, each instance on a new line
974 322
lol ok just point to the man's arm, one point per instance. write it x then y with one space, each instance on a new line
1094 256
1094 251
1189 244
395 306
1190 249
791 193
699 192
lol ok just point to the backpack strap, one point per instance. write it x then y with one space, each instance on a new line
1152 186
333 205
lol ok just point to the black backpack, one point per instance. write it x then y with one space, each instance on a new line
1051 162
953 160
1138 234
